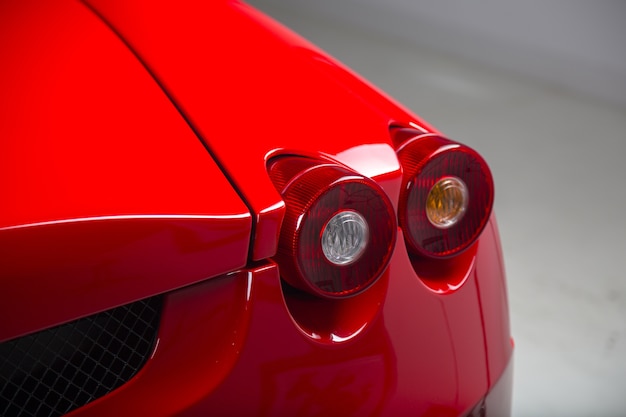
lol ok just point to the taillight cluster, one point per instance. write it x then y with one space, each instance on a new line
446 197
339 229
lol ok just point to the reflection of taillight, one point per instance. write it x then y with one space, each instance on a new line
339 229
446 197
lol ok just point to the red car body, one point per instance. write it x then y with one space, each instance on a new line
135 139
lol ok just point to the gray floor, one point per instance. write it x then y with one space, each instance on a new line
561 197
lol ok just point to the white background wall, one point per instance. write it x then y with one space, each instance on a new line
557 157
576 44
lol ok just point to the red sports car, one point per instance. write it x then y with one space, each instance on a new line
204 214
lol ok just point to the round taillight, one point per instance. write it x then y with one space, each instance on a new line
339 229
446 198
446 202
345 237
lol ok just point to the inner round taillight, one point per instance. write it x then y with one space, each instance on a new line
446 202
345 237
446 198
339 228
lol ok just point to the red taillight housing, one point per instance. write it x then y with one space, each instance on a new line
339 229
446 197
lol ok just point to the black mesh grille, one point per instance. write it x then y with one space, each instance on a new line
54 371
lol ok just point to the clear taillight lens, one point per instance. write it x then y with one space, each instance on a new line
345 237
339 229
446 197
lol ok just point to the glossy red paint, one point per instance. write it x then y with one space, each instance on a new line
107 194
415 353
123 158
202 333
53 273
494 304
248 101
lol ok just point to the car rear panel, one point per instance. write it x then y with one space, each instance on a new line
242 343
230 347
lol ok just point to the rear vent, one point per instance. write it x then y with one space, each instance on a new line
52 372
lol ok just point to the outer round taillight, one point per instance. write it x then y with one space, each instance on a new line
339 229
446 198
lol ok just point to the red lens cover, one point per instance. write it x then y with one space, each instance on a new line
313 197
425 161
